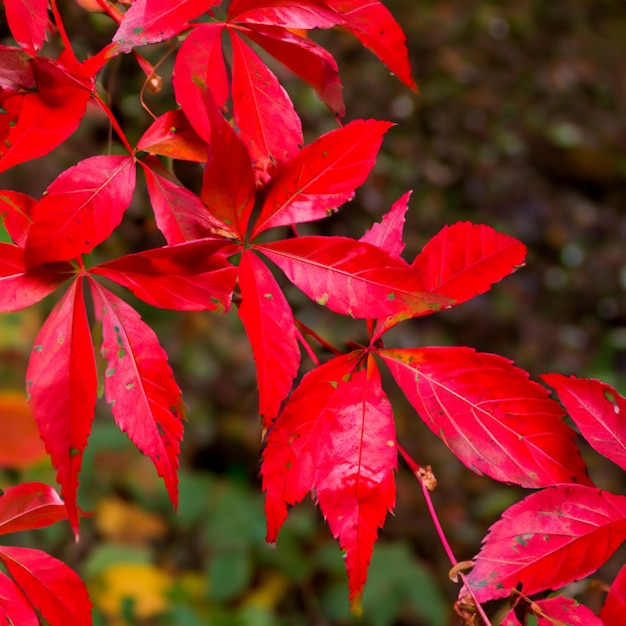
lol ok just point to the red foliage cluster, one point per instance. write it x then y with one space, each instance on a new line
333 434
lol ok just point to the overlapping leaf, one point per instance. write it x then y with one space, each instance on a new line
28 506
14 607
387 234
146 401
489 414
598 410
614 609
549 539
557 610
28 22
270 327
16 210
62 384
81 208
336 436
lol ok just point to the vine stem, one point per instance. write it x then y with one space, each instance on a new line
417 471
114 122
61 28
304 329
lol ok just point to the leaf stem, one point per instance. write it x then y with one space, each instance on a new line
61 27
114 122
303 328
418 473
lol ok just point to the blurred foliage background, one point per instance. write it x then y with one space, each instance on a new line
520 124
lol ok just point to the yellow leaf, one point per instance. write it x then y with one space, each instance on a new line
125 522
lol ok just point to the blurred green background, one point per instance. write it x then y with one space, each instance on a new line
520 124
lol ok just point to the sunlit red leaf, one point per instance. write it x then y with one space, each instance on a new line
305 58
15 210
614 609
28 506
14 607
264 114
557 610
28 22
465 259
56 591
20 444
387 234
81 208
336 436
549 539
350 277
19 287
179 213
199 73
172 135
62 384
190 276
598 410
139 384
301 14
270 327
488 412
150 21
323 176
376 28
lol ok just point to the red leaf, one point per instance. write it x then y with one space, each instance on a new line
336 436
62 383
557 610
269 324
15 210
14 607
179 213
172 135
614 609
350 277
376 28
140 386
464 260
20 288
598 410
549 539
199 73
300 14
228 183
16 71
38 121
305 58
487 411
51 586
28 506
81 208
150 21
191 276
323 176
387 235
28 22
264 114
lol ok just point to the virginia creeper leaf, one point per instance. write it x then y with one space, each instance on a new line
62 384
465 259
30 505
336 436
557 610
15 210
598 410
549 539
387 234
173 136
269 125
190 276
350 277
614 609
269 324
300 14
179 213
323 176
372 23
20 288
305 58
150 21
14 607
28 22
487 411
52 587
16 71
199 73
139 384
81 208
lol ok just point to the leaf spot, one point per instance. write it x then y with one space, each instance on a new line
269 296
38 348
323 300
129 386
110 372
391 443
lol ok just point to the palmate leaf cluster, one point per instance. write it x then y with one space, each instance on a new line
330 433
